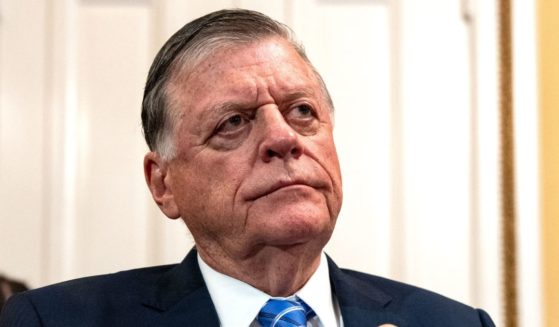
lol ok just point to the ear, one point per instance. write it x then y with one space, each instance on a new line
159 184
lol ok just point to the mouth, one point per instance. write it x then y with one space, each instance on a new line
280 185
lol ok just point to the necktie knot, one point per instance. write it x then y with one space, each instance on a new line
285 313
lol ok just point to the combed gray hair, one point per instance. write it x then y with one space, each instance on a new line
186 48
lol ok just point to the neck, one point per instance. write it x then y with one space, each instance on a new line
275 270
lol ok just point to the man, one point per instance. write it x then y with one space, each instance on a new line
9 287
239 125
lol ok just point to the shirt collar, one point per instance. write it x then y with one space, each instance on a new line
318 294
237 303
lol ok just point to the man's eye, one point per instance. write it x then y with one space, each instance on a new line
304 110
232 125
235 120
301 112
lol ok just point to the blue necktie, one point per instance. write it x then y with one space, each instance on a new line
285 313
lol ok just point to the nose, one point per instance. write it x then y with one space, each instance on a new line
279 139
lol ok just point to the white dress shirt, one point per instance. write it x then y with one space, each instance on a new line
237 303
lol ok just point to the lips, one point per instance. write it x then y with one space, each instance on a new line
270 188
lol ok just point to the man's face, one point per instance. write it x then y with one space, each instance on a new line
256 163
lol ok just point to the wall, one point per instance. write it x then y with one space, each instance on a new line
22 150
416 128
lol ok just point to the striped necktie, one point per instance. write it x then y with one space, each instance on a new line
285 313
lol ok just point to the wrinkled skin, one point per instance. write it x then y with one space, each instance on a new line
256 175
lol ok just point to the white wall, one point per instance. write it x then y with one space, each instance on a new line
415 89
22 149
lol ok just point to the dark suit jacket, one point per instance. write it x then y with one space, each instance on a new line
176 295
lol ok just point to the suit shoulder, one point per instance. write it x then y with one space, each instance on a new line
82 295
128 280
419 305
88 301
398 291
391 287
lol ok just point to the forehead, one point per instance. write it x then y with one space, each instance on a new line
270 65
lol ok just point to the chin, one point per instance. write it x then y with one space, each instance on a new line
297 229
291 220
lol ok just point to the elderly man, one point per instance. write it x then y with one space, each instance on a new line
239 125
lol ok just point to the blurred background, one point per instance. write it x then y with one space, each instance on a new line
419 131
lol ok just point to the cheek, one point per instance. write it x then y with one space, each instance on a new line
327 157
208 186
331 155
324 151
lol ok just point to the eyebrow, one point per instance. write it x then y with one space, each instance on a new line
228 106
214 112
306 92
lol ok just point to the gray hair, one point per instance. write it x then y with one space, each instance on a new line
192 43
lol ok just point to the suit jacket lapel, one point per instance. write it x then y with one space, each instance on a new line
361 303
181 296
